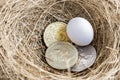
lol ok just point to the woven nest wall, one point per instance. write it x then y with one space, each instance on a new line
22 49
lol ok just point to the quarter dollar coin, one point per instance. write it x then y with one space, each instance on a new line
55 32
87 57
61 55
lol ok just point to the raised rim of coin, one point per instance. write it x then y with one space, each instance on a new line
55 31
61 55
87 57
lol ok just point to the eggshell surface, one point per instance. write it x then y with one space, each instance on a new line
80 31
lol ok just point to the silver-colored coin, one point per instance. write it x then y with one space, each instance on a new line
87 57
55 32
61 55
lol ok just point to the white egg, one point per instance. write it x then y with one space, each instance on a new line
80 31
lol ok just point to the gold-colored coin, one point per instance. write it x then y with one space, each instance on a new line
55 32
61 55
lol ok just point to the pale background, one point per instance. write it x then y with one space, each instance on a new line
2 2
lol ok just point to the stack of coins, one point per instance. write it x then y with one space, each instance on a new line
62 54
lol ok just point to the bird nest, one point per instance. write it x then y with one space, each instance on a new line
22 49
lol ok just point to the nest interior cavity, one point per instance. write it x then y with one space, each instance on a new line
22 49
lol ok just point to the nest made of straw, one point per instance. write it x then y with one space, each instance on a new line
22 49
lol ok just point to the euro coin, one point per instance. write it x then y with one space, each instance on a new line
87 57
61 55
55 32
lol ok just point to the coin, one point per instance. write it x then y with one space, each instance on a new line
61 55
87 57
55 32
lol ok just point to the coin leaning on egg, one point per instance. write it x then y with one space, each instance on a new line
61 54
55 32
